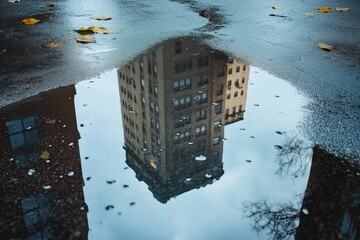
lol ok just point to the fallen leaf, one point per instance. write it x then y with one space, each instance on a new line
309 14
93 29
324 9
325 47
53 45
276 7
14 1
101 30
45 155
85 39
103 18
341 9
50 5
276 15
30 21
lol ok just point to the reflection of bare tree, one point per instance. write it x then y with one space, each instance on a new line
280 220
294 156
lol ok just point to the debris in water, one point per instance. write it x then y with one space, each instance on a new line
125 186
200 158
305 211
111 182
88 178
132 204
70 174
208 175
31 172
249 161
47 186
278 147
108 207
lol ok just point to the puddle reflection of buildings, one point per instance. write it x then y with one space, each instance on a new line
175 102
41 181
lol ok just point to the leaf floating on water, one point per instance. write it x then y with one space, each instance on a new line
30 21
111 182
49 5
53 45
309 14
45 155
103 18
325 47
14 1
324 9
278 147
342 9
85 39
90 30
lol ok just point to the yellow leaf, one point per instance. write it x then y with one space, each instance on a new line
45 155
101 30
85 39
325 47
30 21
13 1
50 5
276 7
53 45
84 30
103 18
324 9
341 9
309 14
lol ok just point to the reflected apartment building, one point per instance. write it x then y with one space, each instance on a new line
41 181
173 102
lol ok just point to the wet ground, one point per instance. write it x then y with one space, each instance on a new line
187 140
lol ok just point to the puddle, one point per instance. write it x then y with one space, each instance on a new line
185 142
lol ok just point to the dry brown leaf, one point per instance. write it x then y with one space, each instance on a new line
85 39
30 21
93 29
50 5
45 155
13 1
103 18
276 7
341 9
324 9
309 14
325 47
53 45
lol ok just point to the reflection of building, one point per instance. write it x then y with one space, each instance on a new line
41 181
173 102
331 205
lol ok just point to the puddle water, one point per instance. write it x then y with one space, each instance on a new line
186 142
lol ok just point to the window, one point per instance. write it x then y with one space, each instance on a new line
151 106
200 146
201 98
219 89
141 64
142 83
237 83
244 68
200 131
200 115
217 124
238 69
150 88
226 112
216 155
183 102
182 121
216 140
22 131
229 83
233 110
228 96
156 109
156 91
182 84
236 94
157 126
182 137
240 108
203 61
221 73
154 71
178 48
183 66
230 71
142 100
242 92
218 107
243 80
202 80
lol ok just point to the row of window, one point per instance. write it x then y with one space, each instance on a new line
233 110
188 64
237 82
237 69
236 94
186 137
